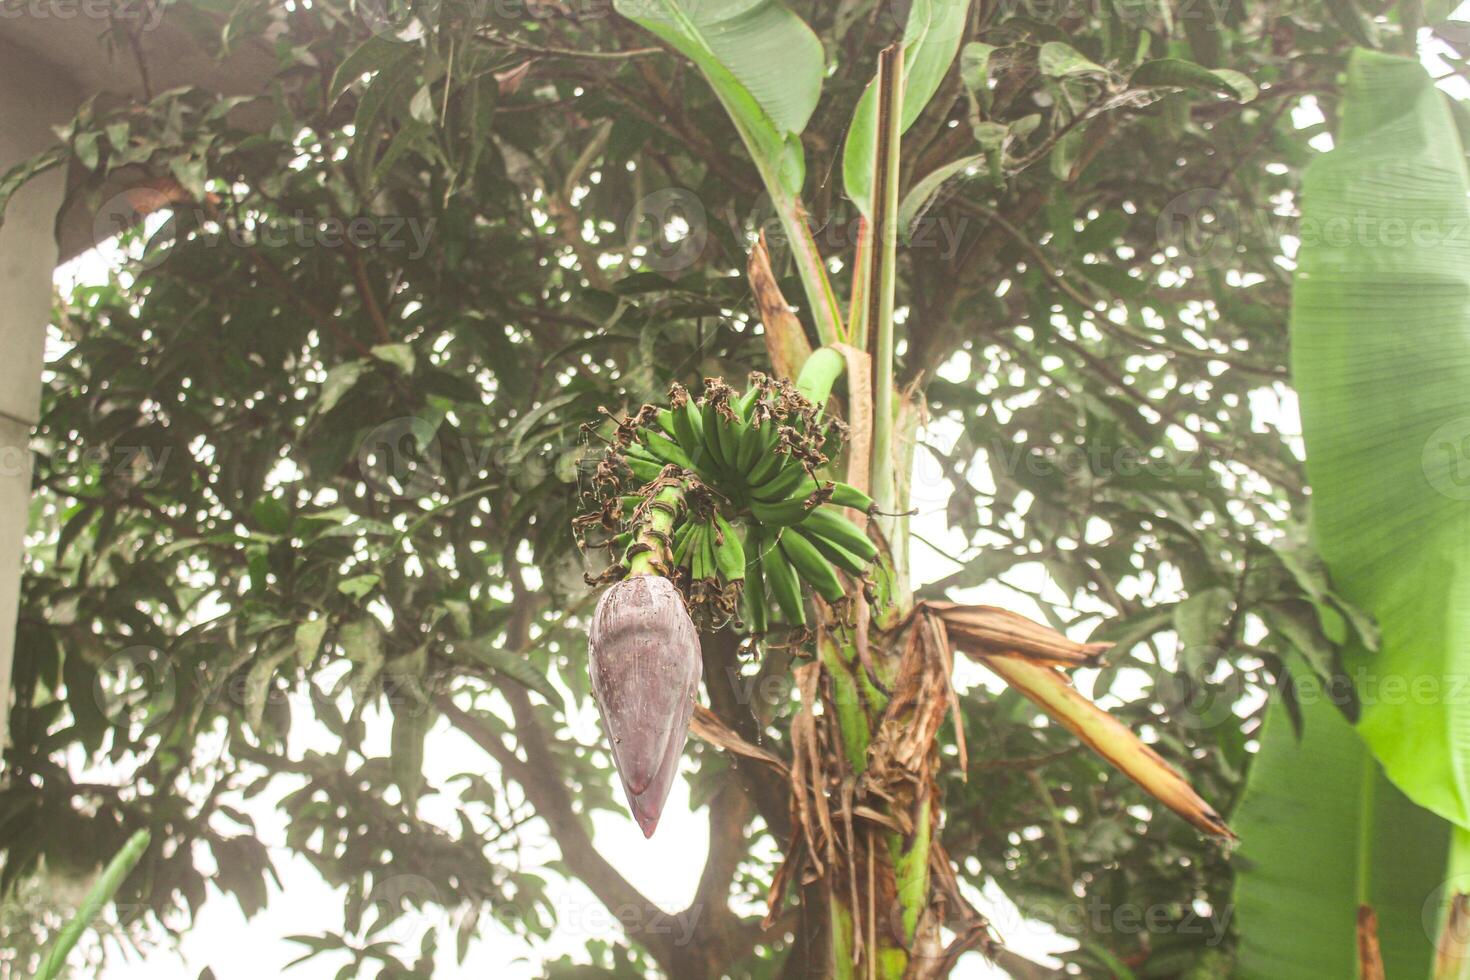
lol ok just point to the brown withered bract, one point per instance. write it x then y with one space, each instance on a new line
645 661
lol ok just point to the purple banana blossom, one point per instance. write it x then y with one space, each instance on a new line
645 662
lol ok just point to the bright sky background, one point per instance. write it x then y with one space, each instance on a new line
666 868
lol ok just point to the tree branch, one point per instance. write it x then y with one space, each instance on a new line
539 778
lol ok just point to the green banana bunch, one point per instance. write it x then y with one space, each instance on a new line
752 460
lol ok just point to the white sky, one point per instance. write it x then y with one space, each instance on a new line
666 869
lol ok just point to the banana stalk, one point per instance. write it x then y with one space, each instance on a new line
652 544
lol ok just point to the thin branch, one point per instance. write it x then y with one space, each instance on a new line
369 300
540 779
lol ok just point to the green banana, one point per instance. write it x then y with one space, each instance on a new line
711 426
835 553
768 462
829 523
667 450
687 423
810 565
787 591
679 544
847 495
819 373
687 428
698 553
730 553
711 569
754 594
746 404
682 539
751 439
789 511
787 482
729 436
666 422
643 469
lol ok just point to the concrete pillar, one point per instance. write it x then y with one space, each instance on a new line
34 97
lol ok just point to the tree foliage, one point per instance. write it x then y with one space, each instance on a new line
308 464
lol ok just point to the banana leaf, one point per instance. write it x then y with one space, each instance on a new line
1322 832
1381 359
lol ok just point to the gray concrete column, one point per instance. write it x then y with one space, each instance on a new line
34 97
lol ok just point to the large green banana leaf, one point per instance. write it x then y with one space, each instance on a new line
763 61
1381 359
1322 831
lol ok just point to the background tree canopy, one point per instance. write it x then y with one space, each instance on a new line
325 434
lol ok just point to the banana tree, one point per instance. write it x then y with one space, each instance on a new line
778 511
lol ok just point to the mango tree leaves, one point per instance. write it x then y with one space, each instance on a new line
1179 73
1059 60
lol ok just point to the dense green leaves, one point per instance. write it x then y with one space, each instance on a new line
1381 356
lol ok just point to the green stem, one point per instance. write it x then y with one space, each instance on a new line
852 718
826 312
102 892
819 374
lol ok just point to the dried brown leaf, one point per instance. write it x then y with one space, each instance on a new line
1108 737
989 630
1452 954
707 725
786 341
